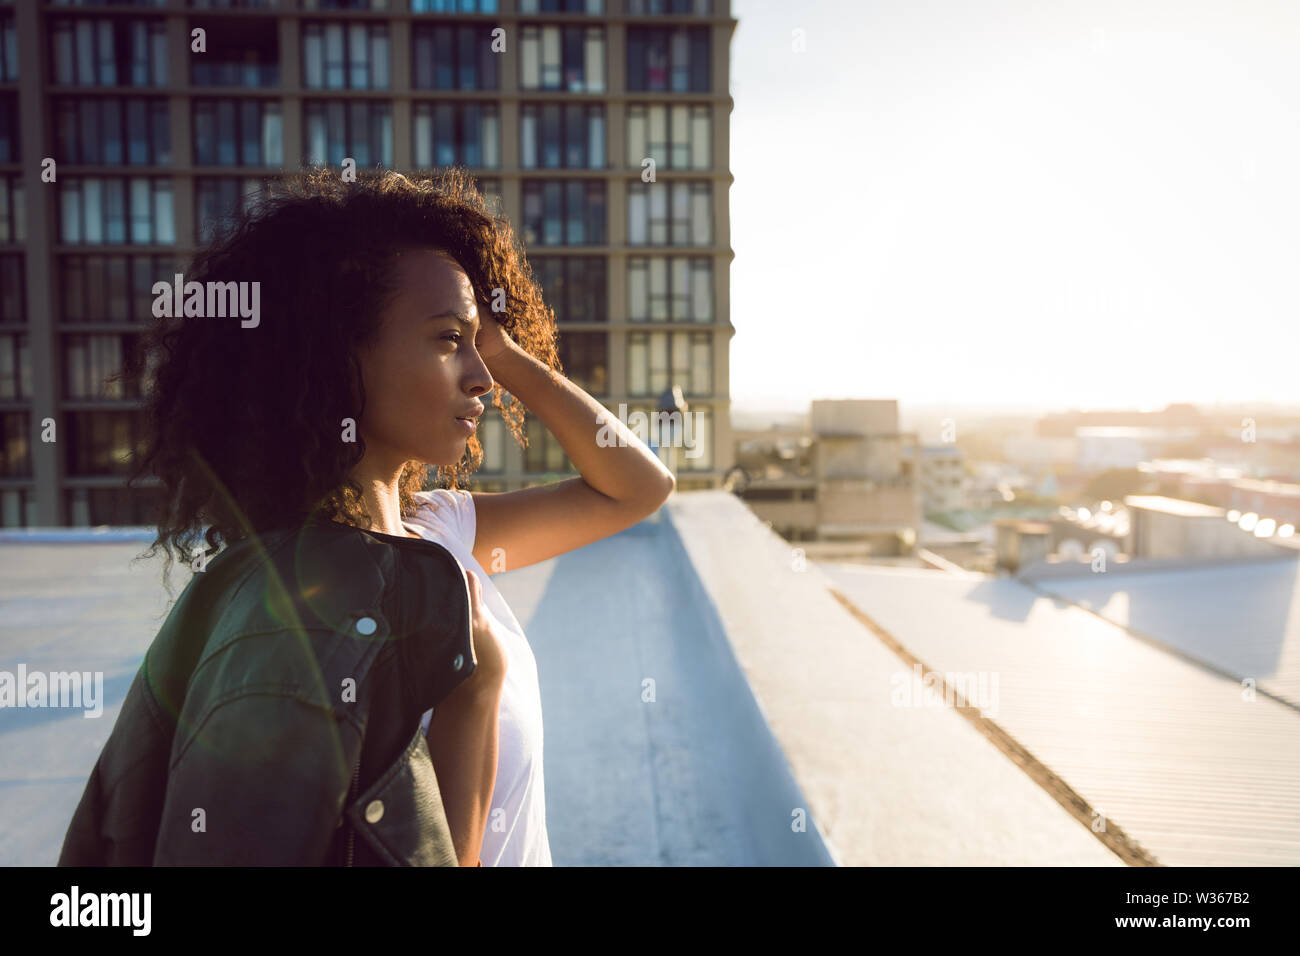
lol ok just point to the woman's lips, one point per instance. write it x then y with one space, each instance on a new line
468 424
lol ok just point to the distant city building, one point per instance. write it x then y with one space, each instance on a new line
1264 458
1039 454
1170 528
941 477
1020 543
1225 487
848 477
1268 499
990 486
1103 447
1067 424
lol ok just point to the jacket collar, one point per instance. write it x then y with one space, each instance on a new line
370 590
434 630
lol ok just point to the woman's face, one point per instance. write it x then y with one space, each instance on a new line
423 373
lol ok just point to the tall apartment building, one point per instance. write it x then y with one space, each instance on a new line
162 116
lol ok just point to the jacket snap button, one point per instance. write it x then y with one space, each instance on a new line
458 662
366 625
374 811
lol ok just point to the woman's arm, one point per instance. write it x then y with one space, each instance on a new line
463 744
462 735
622 479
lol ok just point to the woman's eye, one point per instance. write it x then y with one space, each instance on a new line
452 336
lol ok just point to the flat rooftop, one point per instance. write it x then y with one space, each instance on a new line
774 704
1104 686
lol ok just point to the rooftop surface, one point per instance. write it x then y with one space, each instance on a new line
693 777
1240 617
1192 766
773 704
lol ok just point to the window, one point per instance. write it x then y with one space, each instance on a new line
13 299
492 437
692 436
345 4
675 137
90 360
15 367
699 8
96 210
102 442
664 289
658 360
8 49
696 451
584 356
544 453
593 7
110 288
120 507
668 59
669 213
238 4
453 57
242 51
219 202
562 58
574 286
339 56
112 131
490 189
116 52
564 212
17 505
569 135
15 453
445 134
339 129
238 133
13 211
10 151
453 6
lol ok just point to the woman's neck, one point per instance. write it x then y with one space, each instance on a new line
382 500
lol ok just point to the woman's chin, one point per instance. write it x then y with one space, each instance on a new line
446 456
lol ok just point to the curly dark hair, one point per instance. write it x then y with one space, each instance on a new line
242 425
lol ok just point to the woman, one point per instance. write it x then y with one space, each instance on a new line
388 310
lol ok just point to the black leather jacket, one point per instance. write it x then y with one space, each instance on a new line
275 719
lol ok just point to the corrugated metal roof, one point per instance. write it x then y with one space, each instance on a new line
1240 617
1172 752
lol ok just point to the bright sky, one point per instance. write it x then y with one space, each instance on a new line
958 200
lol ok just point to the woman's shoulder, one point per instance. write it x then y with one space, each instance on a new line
439 497
453 507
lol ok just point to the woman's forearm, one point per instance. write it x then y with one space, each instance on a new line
623 469
462 741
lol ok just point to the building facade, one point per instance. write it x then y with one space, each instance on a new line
941 476
847 478
130 131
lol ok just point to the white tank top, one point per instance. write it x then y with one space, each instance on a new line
516 828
